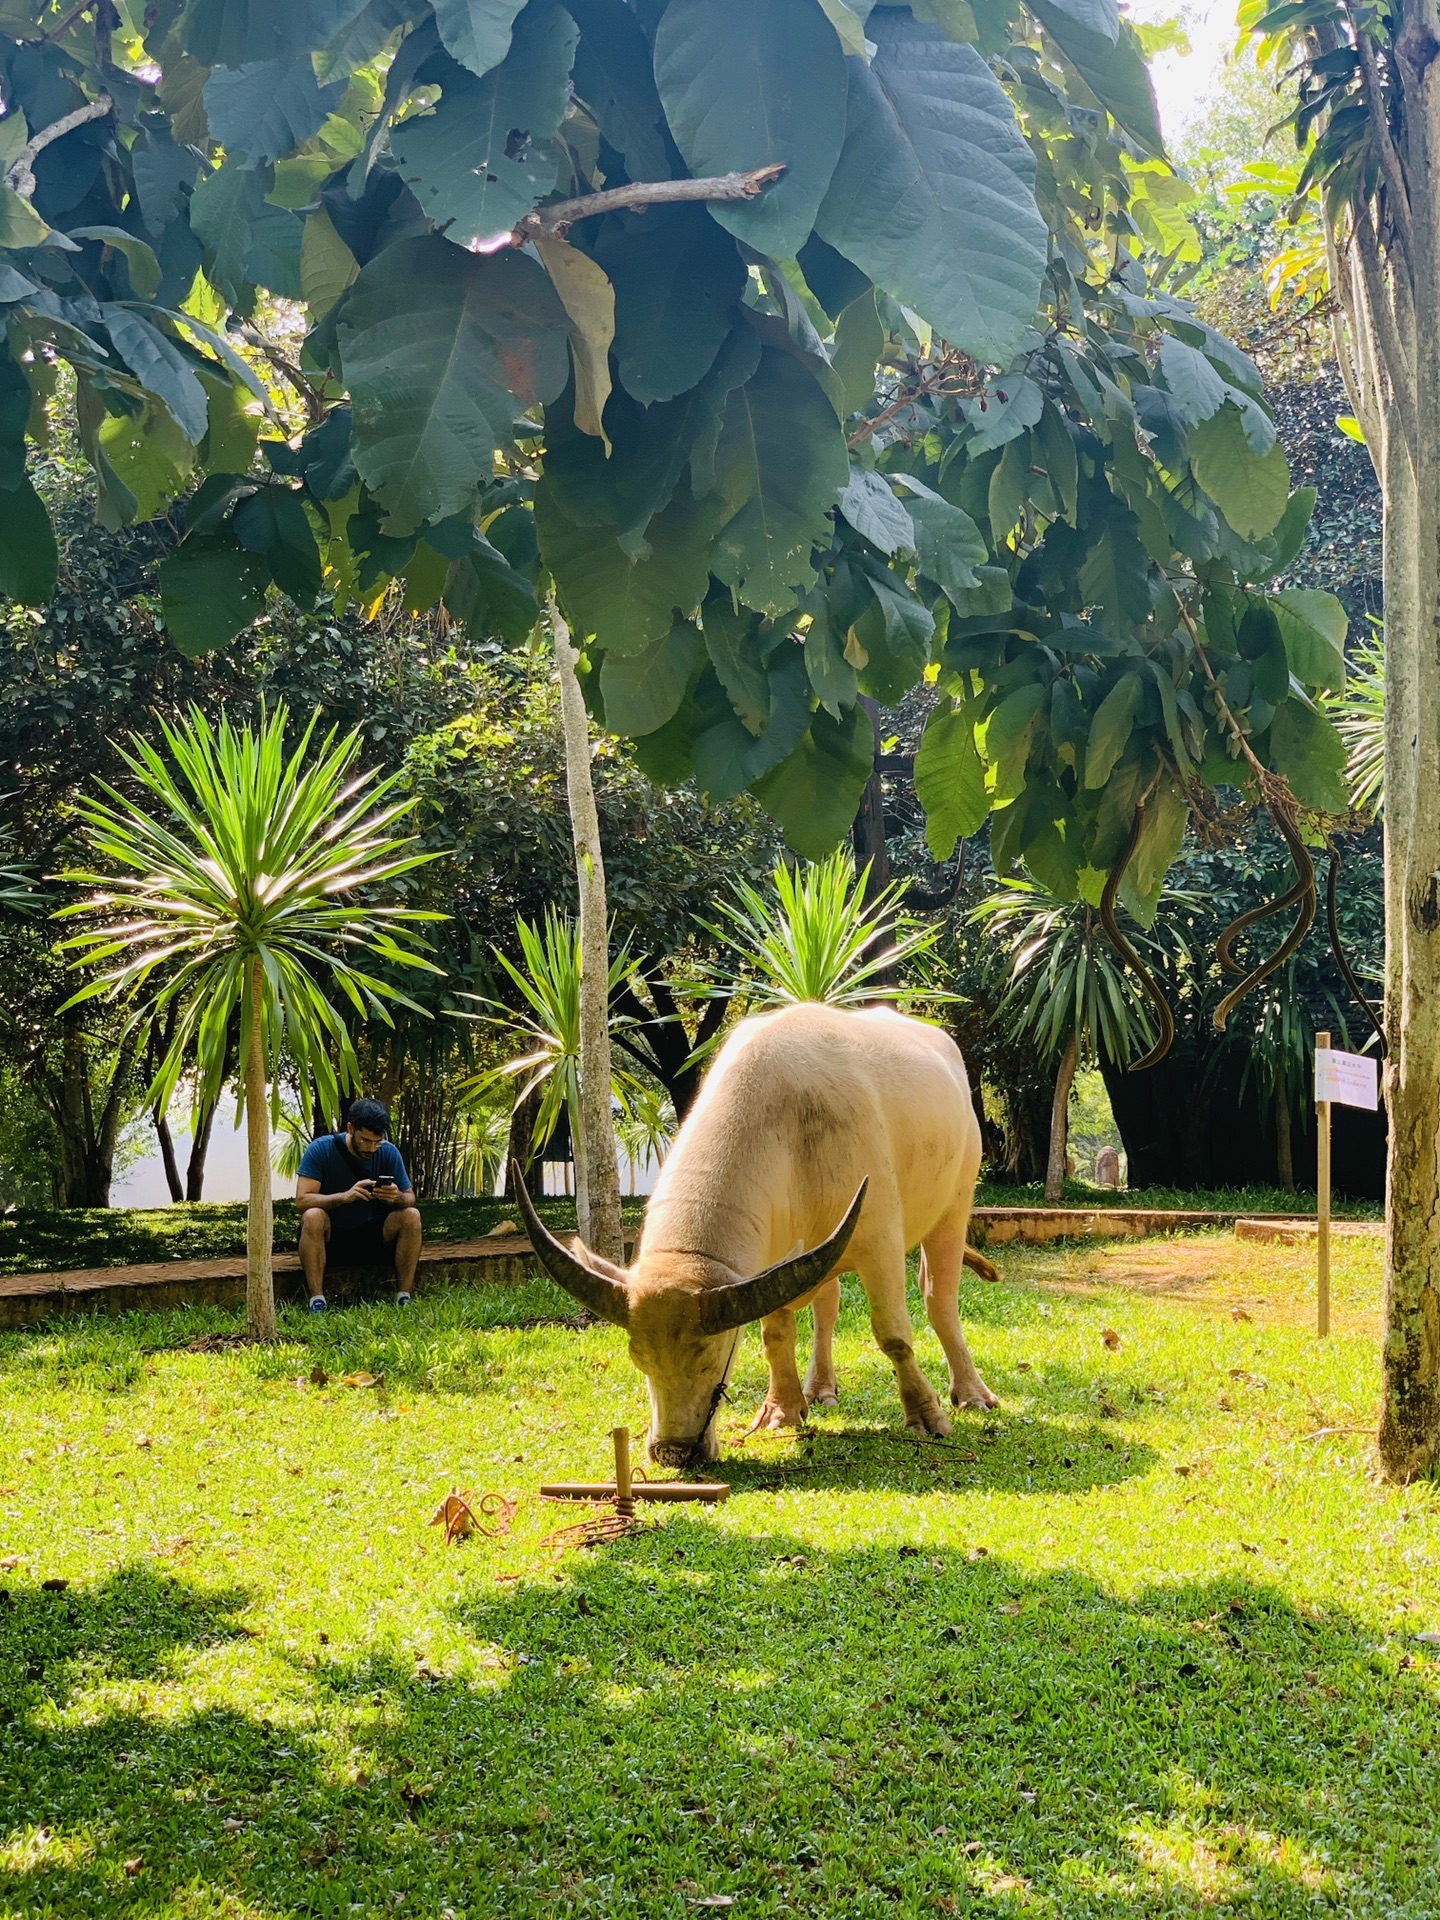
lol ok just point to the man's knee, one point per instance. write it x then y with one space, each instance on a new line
314 1225
409 1219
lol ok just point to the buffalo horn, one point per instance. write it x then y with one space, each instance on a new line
596 1292
746 1300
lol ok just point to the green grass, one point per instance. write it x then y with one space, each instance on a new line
1130 1646
35 1240
42 1240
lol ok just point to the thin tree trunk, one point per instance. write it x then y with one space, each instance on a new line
199 1148
167 1155
1284 1154
597 1174
260 1218
1060 1124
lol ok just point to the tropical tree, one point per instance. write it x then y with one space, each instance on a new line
545 1031
235 883
1360 718
1365 120
816 937
1071 995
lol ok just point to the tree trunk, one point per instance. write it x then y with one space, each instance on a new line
199 1148
167 1155
597 1173
260 1218
1060 1124
1284 1153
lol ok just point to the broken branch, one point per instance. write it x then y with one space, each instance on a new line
562 215
20 175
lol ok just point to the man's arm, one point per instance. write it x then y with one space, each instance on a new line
308 1195
390 1195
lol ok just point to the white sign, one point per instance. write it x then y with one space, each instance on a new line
1347 1079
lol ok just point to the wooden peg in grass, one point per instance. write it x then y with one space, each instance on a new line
624 1490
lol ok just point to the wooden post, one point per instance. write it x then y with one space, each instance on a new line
624 1498
1322 1203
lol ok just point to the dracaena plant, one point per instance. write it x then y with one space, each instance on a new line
244 873
815 937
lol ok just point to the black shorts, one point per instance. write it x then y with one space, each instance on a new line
359 1247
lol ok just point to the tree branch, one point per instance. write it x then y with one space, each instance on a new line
20 175
1399 364
286 367
562 215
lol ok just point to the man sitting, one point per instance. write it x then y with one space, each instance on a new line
356 1205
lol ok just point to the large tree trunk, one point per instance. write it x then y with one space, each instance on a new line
203 1125
1060 1124
260 1218
167 1155
597 1173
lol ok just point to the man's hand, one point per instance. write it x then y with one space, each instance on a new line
386 1191
362 1190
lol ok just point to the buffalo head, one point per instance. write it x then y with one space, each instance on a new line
683 1326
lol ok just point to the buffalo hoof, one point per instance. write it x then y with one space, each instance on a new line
931 1419
976 1394
773 1417
824 1397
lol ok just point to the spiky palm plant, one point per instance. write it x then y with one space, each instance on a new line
1070 994
234 880
544 1030
1360 720
816 938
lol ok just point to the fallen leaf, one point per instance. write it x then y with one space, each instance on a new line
360 1380
714 1900
1012 1607
143 1440
318 1376
232 1825
971 1846
1429 1639
8 1493
295 1470
1239 1313
1184 1470
9 1563
1245 1547
977 1553
1022 1366
1111 1338
1108 1408
53 1586
132 1867
505 1226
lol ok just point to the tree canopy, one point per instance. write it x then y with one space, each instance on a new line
805 345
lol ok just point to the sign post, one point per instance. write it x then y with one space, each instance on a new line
1352 1080
1322 1193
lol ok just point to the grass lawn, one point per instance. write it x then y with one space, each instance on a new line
1132 1645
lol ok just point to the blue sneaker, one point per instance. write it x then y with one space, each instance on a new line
317 1303
403 1299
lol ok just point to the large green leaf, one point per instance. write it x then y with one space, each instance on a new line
233 33
1115 575
780 465
950 780
267 109
950 544
160 367
728 757
874 512
814 793
360 39
1110 729
1306 748
440 349
1250 490
644 691
210 588
248 240
677 278
485 157
895 632
615 77
272 522
1113 68
1313 627
933 195
477 33
747 83
732 640
1195 386
625 603
28 556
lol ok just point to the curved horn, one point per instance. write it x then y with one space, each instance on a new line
596 1292
777 1286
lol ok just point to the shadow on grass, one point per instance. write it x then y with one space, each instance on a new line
892 1729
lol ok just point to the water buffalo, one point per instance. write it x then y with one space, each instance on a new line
850 1134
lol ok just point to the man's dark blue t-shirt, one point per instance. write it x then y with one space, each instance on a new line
330 1161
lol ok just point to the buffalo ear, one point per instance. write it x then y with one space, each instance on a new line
746 1300
606 1298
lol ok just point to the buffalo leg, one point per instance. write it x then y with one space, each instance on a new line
884 1281
820 1387
785 1398
941 1259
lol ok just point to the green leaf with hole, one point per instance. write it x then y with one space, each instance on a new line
950 780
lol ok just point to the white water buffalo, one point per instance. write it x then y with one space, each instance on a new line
837 1132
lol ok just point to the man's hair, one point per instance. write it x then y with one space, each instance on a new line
370 1116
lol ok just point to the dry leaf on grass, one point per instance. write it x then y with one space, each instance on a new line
318 1376
1012 1608
133 1866
9 1563
461 1514
143 1440
714 1900
1111 1338
361 1380
1239 1313
505 1226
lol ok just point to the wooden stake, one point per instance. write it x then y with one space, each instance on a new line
1322 1203
624 1499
